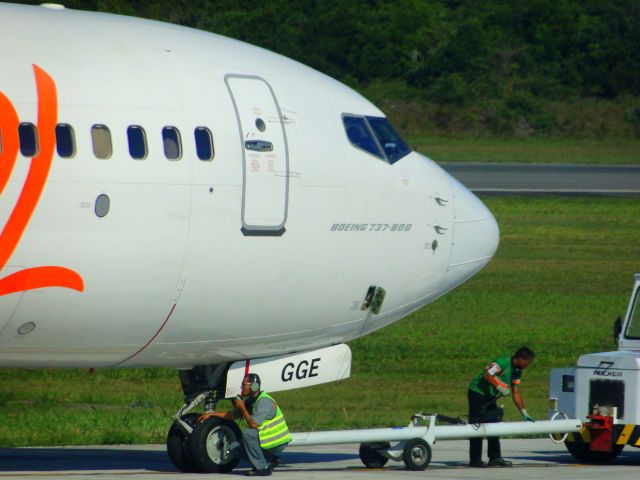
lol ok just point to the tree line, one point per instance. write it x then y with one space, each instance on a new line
446 52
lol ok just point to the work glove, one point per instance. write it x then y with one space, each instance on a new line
504 390
525 416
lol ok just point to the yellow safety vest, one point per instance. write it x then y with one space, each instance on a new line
274 432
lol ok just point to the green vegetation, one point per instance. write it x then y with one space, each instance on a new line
531 150
535 81
449 67
562 273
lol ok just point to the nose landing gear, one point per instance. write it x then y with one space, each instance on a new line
213 445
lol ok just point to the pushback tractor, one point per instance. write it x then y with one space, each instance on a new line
603 390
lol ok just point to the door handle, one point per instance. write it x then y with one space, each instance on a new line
258 145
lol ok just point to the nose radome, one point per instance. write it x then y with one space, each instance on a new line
475 237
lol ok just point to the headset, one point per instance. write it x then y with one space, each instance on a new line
254 380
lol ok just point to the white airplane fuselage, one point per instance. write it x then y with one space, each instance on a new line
253 253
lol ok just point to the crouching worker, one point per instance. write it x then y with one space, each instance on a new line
267 434
500 378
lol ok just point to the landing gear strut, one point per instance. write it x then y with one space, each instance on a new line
210 446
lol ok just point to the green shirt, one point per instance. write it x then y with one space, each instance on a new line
502 369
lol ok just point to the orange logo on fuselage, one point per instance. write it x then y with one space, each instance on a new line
36 277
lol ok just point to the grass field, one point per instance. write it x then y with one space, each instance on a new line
533 150
563 272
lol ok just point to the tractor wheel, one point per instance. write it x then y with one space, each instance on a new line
416 454
582 452
370 455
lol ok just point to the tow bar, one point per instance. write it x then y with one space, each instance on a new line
415 441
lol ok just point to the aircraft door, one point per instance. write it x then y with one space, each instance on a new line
265 186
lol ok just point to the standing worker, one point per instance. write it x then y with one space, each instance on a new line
267 434
484 390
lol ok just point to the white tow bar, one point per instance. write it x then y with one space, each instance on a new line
415 441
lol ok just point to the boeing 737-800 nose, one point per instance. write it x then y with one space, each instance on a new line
475 237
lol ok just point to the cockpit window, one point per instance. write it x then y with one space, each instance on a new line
393 146
360 135
376 136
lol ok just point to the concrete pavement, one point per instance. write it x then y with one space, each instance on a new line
533 459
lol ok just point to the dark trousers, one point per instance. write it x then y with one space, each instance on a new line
479 405
249 449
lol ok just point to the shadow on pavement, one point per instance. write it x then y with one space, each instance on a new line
114 458
629 456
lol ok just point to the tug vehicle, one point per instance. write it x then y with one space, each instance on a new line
603 390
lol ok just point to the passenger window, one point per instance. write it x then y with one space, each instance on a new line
172 143
101 139
393 146
137 142
28 139
204 143
360 135
65 140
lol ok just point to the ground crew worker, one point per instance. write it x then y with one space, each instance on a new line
500 378
267 434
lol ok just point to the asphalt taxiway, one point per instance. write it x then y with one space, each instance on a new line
532 459
547 179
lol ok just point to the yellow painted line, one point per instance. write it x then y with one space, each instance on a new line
626 433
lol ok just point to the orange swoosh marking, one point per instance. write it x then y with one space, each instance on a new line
10 143
38 277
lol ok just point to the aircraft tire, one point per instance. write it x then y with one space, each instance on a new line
177 446
416 454
209 445
581 452
371 457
